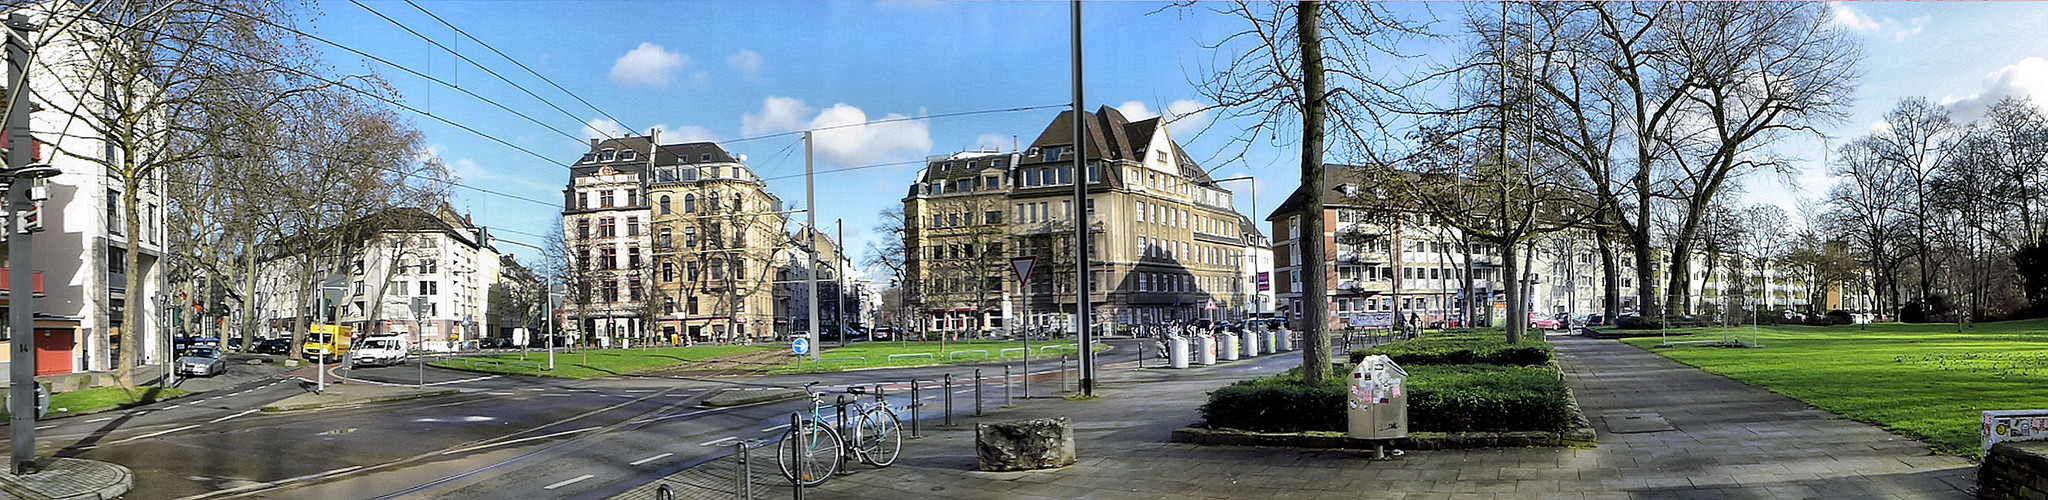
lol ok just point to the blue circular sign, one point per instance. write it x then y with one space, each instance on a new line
802 346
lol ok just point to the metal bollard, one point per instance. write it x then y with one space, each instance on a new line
745 484
1063 373
796 419
977 392
948 387
1006 385
915 403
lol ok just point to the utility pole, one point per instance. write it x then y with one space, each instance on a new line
811 226
1082 311
839 278
21 392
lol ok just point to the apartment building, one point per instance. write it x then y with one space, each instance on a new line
717 230
422 273
1165 242
605 216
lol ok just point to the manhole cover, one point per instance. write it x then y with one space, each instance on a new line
1635 423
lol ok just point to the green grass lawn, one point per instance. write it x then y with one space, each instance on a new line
1923 380
106 397
592 363
878 354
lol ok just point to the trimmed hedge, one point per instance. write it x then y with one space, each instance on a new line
1280 403
1469 398
1462 349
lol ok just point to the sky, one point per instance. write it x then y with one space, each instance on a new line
736 71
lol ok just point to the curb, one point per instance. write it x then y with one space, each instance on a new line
346 402
1414 441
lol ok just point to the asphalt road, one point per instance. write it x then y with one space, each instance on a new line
498 437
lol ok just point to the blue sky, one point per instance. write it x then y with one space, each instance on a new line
733 70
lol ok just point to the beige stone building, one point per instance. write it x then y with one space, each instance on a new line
1166 243
716 231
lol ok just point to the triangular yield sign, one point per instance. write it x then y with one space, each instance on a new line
1023 267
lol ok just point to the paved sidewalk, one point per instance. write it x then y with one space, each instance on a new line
1696 435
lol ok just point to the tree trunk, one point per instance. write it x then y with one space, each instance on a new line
1518 316
1315 353
1610 277
131 314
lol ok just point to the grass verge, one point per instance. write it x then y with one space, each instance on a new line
1926 380
92 400
592 363
908 354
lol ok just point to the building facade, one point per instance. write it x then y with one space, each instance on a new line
605 217
1177 251
424 274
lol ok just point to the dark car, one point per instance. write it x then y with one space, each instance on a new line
495 343
885 333
272 346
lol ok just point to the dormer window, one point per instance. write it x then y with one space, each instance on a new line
589 158
706 157
607 155
628 155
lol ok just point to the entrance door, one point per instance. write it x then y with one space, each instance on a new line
53 351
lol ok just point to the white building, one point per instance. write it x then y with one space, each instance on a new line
422 274
81 283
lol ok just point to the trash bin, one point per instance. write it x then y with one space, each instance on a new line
1229 347
1286 340
1205 350
1177 351
1251 343
1377 407
1272 341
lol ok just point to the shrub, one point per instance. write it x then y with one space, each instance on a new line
1461 349
1837 317
1474 398
1280 403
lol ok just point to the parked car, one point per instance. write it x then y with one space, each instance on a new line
886 333
272 346
495 343
1543 323
378 350
202 362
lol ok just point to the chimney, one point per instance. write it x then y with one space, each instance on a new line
593 143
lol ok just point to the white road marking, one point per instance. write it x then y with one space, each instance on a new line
575 480
101 419
678 415
650 459
520 440
500 393
715 442
157 433
171 407
557 394
776 428
45 427
963 391
223 419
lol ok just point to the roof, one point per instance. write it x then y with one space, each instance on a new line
667 154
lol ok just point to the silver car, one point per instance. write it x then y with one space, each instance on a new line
202 361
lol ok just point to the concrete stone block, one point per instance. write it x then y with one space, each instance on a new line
1039 443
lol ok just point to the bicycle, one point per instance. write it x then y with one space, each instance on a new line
810 452
878 437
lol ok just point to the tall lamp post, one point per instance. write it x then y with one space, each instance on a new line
23 190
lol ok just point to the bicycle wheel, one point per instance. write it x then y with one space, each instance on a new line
880 436
809 453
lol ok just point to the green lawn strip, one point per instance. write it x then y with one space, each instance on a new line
909 354
1925 380
591 363
91 400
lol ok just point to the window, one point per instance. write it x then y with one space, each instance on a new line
692 305
114 223
632 197
690 270
582 258
1093 175
1066 175
607 155
992 217
664 205
668 272
633 258
690 237
689 203
665 239
992 182
628 155
632 226
430 287
583 200
1067 208
736 203
739 269
607 227
706 157
429 266
607 258
610 291
953 219
717 270
583 229
604 198
1141 211
633 290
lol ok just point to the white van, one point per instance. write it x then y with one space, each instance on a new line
378 350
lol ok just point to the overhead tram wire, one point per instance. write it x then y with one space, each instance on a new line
458 55
515 62
899 119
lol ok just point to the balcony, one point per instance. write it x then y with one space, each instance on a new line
7 282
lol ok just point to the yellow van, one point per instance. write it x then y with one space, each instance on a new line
328 342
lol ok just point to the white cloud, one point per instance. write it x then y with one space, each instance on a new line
1851 19
648 65
1848 17
2027 78
687 133
603 128
1182 117
992 141
860 142
748 63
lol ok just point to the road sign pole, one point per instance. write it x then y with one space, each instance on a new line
1023 267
